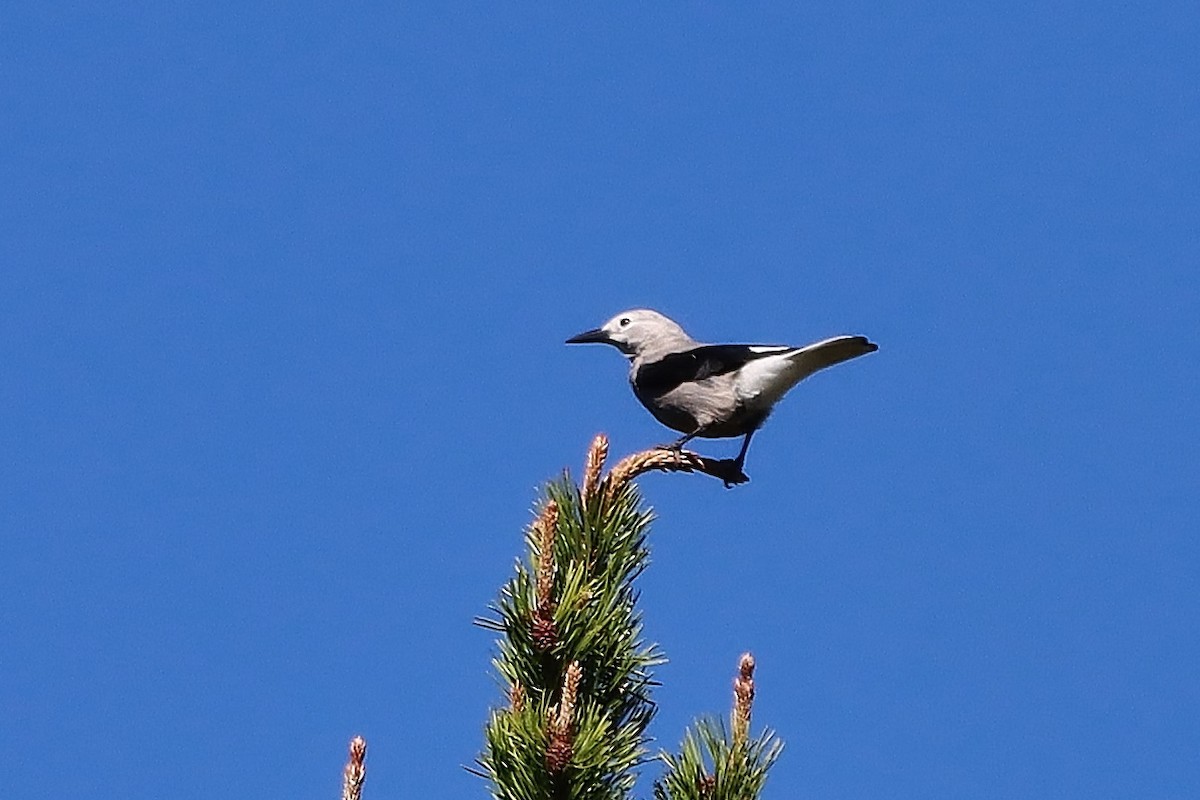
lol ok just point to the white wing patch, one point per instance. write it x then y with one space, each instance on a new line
764 380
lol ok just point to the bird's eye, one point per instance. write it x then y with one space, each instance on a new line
624 321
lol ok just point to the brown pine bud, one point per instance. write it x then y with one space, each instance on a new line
558 754
355 772
545 528
561 724
516 697
743 699
597 455
543 631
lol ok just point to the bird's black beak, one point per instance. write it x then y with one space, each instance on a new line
597 335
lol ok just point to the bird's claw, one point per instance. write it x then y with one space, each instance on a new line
730 472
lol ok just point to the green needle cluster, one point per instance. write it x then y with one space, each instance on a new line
577 668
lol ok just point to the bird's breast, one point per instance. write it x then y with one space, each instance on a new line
710 404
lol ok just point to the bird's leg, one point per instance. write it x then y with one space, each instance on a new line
731 473
678 444
741 456
682 440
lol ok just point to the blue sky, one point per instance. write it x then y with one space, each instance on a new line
283 291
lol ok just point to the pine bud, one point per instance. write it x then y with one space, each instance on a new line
597 455
546 527
516 697
543 631
743 698
561 723
355 772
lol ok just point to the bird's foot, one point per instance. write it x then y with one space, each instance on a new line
729 470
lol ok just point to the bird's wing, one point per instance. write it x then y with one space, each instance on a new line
659 377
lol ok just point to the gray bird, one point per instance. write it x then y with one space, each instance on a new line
713 391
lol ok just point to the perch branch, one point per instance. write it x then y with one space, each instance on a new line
666 460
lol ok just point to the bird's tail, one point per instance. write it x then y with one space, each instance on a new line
824 354
776 374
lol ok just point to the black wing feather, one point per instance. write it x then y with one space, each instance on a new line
659 377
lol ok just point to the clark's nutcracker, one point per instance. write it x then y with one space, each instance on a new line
712 391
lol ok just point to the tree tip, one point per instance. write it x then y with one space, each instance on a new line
355 773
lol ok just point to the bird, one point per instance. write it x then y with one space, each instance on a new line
712 391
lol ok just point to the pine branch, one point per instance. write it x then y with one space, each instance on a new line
572 652
577 669
713 765
727 470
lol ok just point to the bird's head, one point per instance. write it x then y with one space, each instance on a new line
633 331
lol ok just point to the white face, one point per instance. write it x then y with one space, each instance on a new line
630 328
631 331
